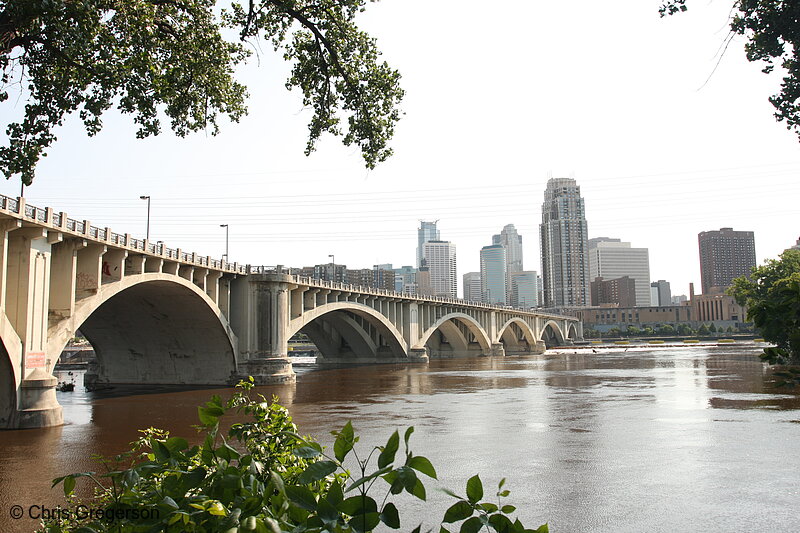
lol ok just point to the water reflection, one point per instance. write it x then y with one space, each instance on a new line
639 440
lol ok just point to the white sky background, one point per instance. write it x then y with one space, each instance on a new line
498 98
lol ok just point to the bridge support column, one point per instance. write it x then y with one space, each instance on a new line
27 304
418 355
498 349
266 314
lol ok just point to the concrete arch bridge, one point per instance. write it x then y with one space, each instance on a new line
164 316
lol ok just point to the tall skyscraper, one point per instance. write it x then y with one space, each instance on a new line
612 258
512 242
724 255
524 289
472 287
440 258
405 279
493 274
662 292
565 257
426 232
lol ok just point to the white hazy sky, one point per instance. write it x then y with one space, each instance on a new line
499 97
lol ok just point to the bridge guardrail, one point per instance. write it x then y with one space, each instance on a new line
59 220
306 280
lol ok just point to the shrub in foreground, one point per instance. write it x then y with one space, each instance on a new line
264 477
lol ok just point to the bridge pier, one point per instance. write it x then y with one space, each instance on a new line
38 406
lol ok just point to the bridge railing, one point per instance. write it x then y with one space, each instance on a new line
60 221
328 284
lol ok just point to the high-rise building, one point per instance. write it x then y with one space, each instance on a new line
472 287
724 255
512 242
440 258
565 257
405 279
660 293
618 291
524 289
493 274
426 232
612 258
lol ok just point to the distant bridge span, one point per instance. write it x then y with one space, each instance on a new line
158 315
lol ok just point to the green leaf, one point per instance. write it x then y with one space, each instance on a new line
473 525
419 490
501 523
317 471
345 440
474 489
387 455
227 452
407 435
176 444
502 482
487 507
508 509
302 497
361 481
209 416
421 464
390 516
458 511
356 505
543 529
306 452
365 522
69 485
451 493
161 452
335 495
327 512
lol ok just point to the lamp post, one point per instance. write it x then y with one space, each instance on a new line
226 241
147 237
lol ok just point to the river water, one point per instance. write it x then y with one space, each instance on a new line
695 438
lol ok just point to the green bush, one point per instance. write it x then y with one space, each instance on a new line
266 478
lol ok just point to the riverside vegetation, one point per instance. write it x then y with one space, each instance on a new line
267 478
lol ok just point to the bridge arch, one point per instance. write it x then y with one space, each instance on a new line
367 333
552 335
508 335
448 327
572 331
151 328
10 372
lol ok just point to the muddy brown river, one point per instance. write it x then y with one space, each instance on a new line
650 439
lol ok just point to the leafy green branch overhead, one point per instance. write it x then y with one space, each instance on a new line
176 60
772 30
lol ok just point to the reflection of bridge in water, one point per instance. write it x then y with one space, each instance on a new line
163 316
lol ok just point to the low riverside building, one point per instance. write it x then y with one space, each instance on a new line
718 309
603 318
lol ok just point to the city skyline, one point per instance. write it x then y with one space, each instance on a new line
662 151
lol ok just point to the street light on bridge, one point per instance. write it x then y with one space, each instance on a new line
226 242
147 237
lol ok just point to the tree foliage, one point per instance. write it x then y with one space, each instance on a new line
772 30
772 298
267 478
175 59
